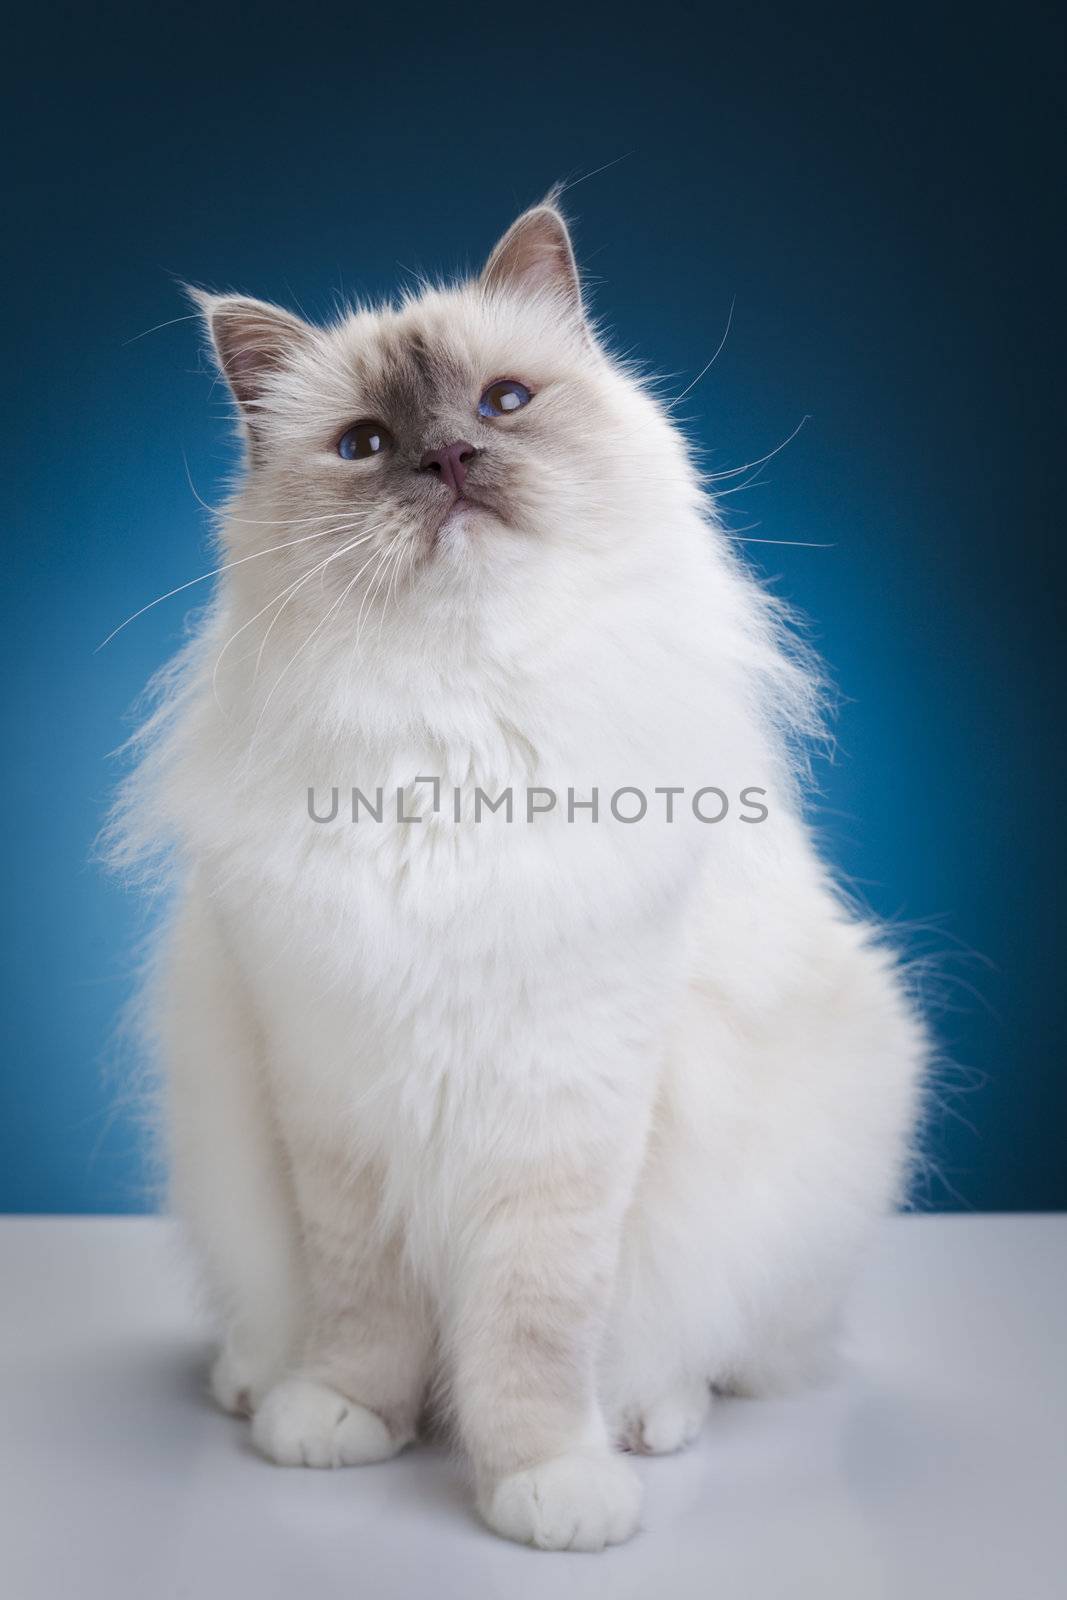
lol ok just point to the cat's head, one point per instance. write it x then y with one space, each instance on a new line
469 433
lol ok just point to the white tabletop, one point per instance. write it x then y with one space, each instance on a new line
936 1467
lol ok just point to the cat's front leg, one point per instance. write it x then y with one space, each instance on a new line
528 1307
229 1180
354 1392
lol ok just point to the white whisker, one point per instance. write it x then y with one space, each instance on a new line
366 598
800 544
250 522
192 316
706 368
321 567
297 587
227 566
292 662
733 472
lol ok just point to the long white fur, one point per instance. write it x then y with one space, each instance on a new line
570 1120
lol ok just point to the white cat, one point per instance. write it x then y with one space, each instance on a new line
564 1118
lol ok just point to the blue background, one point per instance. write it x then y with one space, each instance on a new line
873 185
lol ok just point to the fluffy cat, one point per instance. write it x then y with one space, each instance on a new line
560 1119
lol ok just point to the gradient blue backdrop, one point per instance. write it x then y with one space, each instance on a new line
871 184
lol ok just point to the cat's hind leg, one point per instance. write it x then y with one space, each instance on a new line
658 1354
776 1147
667 1419
228 1179
655 1380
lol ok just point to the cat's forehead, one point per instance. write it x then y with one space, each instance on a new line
407 353
442 342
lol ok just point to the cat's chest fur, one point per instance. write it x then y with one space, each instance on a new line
440 964
479 797
397 934
419 841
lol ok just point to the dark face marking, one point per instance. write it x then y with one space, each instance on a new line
418 352
421 392
487 436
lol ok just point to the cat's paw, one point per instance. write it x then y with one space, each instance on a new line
303 1423
668 1423
239 1381
581 1501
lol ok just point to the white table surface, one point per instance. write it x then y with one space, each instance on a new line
935 1467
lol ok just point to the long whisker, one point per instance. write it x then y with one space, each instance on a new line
733 472
251 522
800 544
315 630
354 651
706 368
366 598
192 317
573 183
739 488
238 632
227 566
390 584
289 588
382 573
306 579
409 548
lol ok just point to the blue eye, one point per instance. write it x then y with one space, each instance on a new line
365 439
503 397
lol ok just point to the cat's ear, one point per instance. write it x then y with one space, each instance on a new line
535 256
251 340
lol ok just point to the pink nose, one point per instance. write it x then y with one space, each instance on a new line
450 464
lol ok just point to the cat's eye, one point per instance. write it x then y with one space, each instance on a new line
503 397
362 440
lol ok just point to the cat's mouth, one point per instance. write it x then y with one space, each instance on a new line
463 506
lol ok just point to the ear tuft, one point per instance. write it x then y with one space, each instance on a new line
251 340
535 256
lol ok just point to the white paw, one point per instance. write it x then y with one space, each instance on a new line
668 1423
238 1382
302 1423
581 1501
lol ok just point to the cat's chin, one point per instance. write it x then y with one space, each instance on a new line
461 518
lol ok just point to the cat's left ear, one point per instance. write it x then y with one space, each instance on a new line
536 257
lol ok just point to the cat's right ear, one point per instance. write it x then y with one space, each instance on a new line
251 340
536 257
